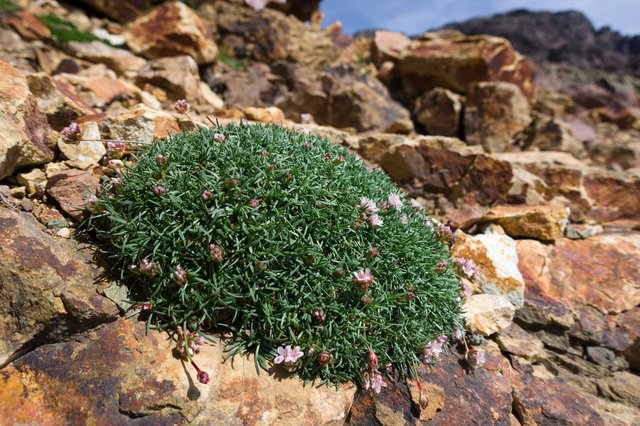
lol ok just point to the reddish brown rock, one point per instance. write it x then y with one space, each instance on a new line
119 375
70 189
22 125
494 113
107 89
439 111
451 60
172 29
121 61
388 46
540 222
48 290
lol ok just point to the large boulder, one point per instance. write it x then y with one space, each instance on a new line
388 46
47 289
172 29
119 376
451 60
494 113
23 126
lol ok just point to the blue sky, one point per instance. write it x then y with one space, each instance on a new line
416 16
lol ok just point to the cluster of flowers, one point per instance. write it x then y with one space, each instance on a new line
372 377
288 357
370 209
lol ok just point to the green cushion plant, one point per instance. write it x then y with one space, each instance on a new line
290 244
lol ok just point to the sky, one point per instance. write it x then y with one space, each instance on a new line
416 16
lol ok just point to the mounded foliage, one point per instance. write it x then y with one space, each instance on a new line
276 251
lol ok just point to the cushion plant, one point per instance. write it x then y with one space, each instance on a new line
289 244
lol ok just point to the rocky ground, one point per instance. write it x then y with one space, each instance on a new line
535 164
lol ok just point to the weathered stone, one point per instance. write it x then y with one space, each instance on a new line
70 188
249 87
89 151
539 222
264 115
35 181
580 231
623 386
454 61
439 111
47 290
22 125
388 46
178 76
143 124
172 29
551 135
106 89
58 100
493 114
340 98
487 313
518 342
133 375
119 11
121 61
497 262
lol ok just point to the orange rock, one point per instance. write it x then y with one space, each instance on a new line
540 222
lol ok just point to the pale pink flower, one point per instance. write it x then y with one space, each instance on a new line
116 181
374 381
458 334
190 343
375 220
90 203
404 219
255 202
434 348
244 122
307 145
219 137
288 356
363 279
442 265
373 360
444 232
416 205
264 153
72 133
468 266
368 205
116 165
476 358
182 106
466 290
180 275
206 195
116 149
148 268
319 315
394 201
159 190
216 253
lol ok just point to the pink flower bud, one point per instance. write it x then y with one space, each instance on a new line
182 106
72 133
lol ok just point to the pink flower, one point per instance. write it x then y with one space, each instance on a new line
116 181
219 137
458 334
255 202
468 266
116 165
206 195
257 4
434 348
423 399
375 381
90 203
466 290
416 205
394 201
72 133
363 279
147 306
442 265
319 315
203 377
368 205
116 149
244 122
190 344
373 252
162 161
328 156
444 232
288 357
476 358
373 360
216 253
375 220
148 268
182 106
159 190
180 275
404 219
307 145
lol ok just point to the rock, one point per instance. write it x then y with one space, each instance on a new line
106 90
440 165
28 25
18 192
22 125
623 386
454 61
249 87
270 36
178 76
340 98
35 181
264 115
143 124
388 46
497 262
118 11
122 61
47 291
58 100
551 135
539 222
129 375
516 341
88 151
172 29
70 188
487 313
494 113
581 231
439 111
